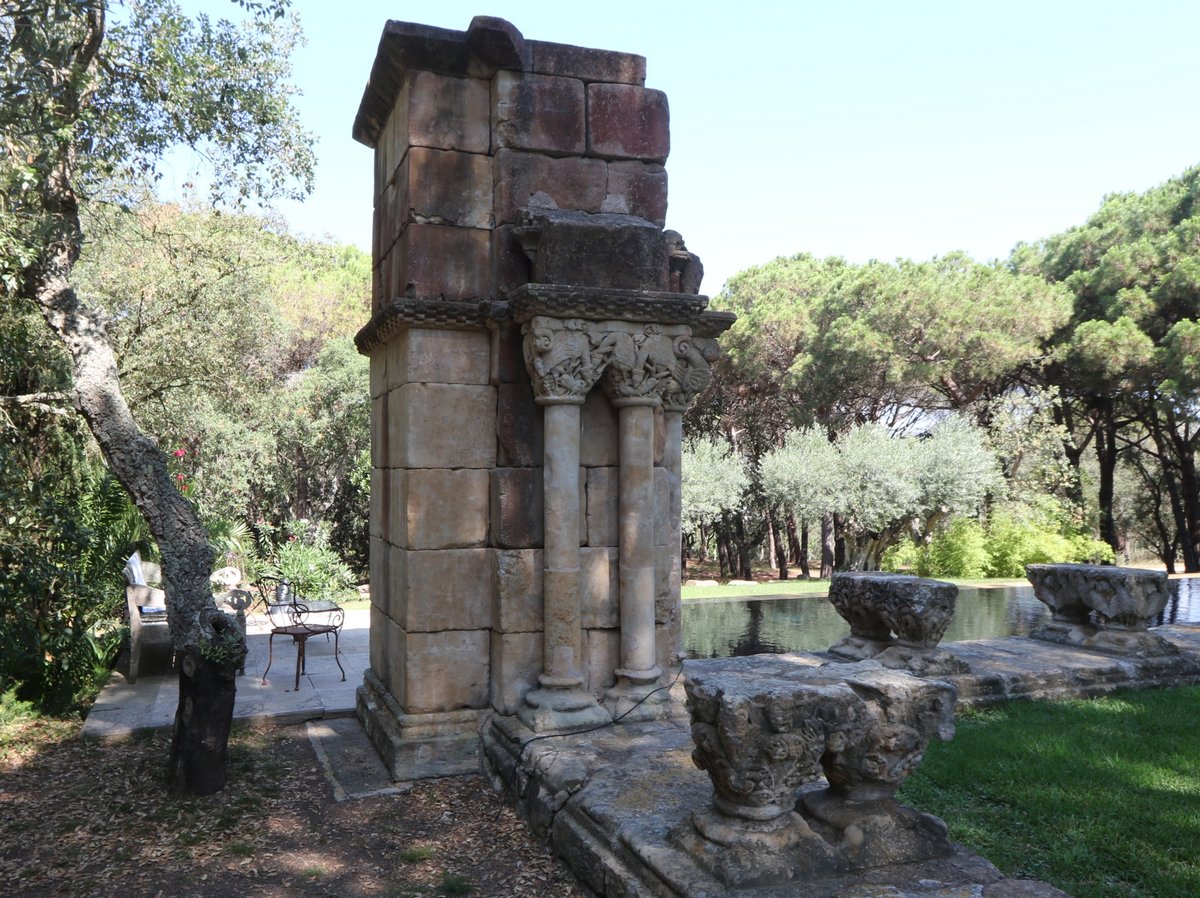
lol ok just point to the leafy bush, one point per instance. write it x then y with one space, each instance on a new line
299 551
960 551
903 557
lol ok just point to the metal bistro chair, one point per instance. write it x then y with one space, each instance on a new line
294 617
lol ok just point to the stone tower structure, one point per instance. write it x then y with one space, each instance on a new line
535 339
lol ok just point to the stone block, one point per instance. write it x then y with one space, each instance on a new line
380 406
549 58
388 652
439 356
396 531
447 113
595 250
602 506
395 571
518 427
544 113
517 590
445 508
667 583
637 188
443 187
516 508
378 564
511 354
599 588
442 426
660 435
668 649
378 373
601 656
442 261
662 508
516 663
446 589
628 122
510 265
446 671
388 222
380 503
526 180
599 442
583 506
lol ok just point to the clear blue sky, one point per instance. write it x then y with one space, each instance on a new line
861 129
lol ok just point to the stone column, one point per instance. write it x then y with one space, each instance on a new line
638 674
557 354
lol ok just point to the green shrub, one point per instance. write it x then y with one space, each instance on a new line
905 556
300 553
959 552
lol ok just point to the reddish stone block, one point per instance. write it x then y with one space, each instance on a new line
601 250
447 113
518 427
637 188
516 508
538 112
510 265
512 355
548 58
628 122
436 260
443 187
529 179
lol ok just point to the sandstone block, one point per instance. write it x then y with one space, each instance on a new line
516 663
602 506
380 503
441 261
443 187
388 221
510 265
516 508
517 590
660 435
518 427
446 671
396 531
599 591
377 293
662 509
380 407
445 589
599 443
378 373
531 180
666 586
511 365
601 656
538 112
628 122
586 64
395 570
388 652
595 250
378 564
637 188
668 649
440 356
445 508
447 113
442 426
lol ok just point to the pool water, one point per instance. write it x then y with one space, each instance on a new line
720 628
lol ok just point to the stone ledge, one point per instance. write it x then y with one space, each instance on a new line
601 304
406 311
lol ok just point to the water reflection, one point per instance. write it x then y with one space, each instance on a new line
719 629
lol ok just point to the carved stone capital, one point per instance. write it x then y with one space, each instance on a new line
564 357
693 371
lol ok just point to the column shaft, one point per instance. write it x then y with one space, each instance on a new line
562 636
636 551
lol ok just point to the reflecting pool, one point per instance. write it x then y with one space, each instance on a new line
724 627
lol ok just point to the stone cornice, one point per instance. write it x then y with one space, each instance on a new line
712 323
405 312
600 304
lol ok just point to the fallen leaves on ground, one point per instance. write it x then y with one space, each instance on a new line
84 818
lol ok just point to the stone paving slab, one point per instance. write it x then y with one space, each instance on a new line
123 708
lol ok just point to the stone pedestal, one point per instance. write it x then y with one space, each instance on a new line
1100 607
878 605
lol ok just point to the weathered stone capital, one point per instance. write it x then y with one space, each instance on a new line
564 358
693 371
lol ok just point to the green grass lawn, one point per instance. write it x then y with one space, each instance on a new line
1098 797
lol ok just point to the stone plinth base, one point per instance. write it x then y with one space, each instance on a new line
1135 643
924 662
418 746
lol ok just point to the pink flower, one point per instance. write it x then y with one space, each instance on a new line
180 452
179 477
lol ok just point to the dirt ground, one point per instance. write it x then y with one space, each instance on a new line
81 818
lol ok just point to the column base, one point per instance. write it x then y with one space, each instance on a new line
549 710
635 700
